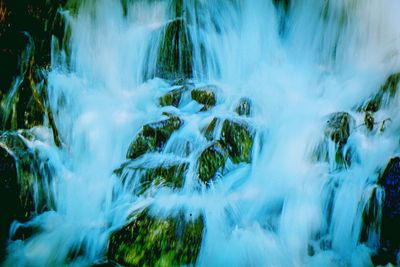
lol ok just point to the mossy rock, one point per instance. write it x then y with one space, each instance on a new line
173 97
211 161
244 107
171 175
174 57
26 31
23 184
338 129
205 96
153 137
385 93
209 130
238 140
152 241
369 121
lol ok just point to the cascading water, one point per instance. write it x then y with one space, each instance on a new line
298 61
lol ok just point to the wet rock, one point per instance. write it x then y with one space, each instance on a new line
152 241
205 96
244 107
369 121
153 136
33 173
390 182
211 161
338 128
209 130
19 172
173 97
26 31
384 95
169 175
174 57
237 139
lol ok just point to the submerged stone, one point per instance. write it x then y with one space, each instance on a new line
369 121
238 140
169 175
384 95
153 136
338 129
173 97
152 241
244 107
205 96
209 130
211 160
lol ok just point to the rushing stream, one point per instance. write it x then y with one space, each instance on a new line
297 63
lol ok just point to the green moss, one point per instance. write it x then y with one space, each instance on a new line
153 137
174 57
151 241
209 130
211 160
173 97
204 95
338 129
244 107
172 176
385 93
237 140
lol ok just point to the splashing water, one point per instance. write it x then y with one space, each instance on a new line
298 64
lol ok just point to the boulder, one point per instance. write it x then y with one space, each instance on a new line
244 107
237 138
153 137
26 30
384 95
170 175
173 97
205 96
338 128
19 174
390 220
152 241
211 161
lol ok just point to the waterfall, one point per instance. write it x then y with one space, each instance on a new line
301 199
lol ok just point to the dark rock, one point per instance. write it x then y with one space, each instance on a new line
205 95
153 137
238 140
151 241
209 130
211 160
173 97
390 182
19 174
369 121
26 31
244 107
